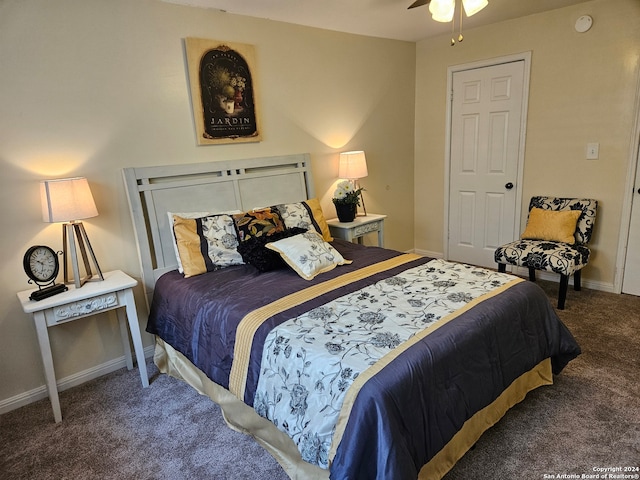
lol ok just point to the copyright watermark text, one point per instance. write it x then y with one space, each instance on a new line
599 473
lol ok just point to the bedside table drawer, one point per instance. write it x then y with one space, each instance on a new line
81 308
368 228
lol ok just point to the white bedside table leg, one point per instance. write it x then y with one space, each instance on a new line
124 333
47 362
132 317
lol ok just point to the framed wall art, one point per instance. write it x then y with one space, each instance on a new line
222 79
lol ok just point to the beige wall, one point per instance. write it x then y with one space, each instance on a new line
582 90
89 87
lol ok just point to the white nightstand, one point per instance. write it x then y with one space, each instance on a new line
360 226
113 292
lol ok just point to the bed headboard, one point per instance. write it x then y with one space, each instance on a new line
205 187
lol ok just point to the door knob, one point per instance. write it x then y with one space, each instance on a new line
509 186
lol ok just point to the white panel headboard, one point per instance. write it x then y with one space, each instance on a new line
205 187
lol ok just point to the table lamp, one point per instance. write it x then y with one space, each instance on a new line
69 200
353 166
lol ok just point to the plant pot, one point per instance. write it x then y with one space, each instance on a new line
346 213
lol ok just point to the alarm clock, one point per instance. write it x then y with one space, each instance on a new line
41 266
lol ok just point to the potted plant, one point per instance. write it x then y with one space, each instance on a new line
346 199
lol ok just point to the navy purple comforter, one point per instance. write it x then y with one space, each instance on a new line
406 413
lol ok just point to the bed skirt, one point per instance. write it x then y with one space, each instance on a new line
243 418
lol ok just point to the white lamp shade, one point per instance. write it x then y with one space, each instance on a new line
442 10
353 165
66 199
471 7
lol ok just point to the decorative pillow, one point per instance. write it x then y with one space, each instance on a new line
307 215
253 250
552 225
308 254
190 215
206 244
258 223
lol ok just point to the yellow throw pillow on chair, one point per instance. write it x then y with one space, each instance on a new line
553 225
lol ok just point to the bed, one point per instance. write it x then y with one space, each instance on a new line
342 360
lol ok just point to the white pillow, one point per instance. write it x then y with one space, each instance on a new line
190 215
308 254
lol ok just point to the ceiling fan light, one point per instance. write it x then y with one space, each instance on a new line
442 10
471 7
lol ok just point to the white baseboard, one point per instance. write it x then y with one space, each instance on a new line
74 380
554 277
427 253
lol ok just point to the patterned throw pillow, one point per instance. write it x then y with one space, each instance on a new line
190 215
206 244
308 254
307 215
258 223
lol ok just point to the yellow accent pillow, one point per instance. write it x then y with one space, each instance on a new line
553 225
188 243
318 216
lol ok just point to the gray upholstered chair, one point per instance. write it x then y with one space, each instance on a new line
554 256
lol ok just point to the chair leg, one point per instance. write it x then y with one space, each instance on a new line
502 267
562 294
532 274
576 280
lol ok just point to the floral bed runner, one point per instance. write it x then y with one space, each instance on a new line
309 362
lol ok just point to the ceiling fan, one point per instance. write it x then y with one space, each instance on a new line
443 11
419 3
471 7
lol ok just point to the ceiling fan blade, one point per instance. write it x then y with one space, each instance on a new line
419 3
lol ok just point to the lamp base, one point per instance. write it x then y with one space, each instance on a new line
356 185
71 233
364 207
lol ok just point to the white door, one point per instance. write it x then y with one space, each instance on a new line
486 136
631 278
